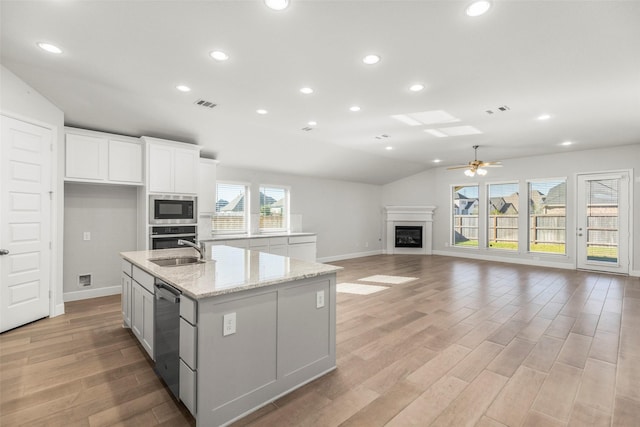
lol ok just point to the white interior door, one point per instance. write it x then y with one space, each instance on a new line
25 222
603 222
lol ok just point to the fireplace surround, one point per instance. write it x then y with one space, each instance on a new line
409 216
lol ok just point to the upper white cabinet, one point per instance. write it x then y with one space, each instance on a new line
102 157
173 167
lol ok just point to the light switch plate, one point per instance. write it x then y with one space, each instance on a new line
319 299
228 324
86 235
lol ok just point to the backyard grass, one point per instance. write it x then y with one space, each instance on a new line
594 253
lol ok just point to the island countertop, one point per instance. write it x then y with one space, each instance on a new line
227 269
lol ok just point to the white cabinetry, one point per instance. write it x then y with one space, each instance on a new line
173 167
303 248
298 247
126 293
99 157
188 352
142 309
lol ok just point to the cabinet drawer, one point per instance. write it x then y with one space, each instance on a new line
188 309
276 241
188 387
294 240
144 278
188 334
259 242
127 267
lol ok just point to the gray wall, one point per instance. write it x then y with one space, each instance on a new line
345 215
433 188
22 102
109 213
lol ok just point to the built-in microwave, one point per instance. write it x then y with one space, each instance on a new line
173 209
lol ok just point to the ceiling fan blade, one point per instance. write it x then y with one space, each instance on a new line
459 167
490 164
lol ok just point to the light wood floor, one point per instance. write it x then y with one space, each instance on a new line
467 343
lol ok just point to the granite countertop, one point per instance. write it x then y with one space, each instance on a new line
252 236
227 270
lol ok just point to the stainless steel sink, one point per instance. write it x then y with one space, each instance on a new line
176 261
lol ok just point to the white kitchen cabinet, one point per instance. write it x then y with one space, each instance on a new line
126 293
302 248
173 167
104 158
142 316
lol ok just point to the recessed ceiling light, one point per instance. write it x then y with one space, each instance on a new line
183 88
219 55
354 108
436 132
49 47
312 123
277 4
388 148
436 160
544 117
478 8
565 143
371 59
306 90
460 130
261 111
416 87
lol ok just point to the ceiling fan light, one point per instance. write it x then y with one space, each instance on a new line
481 172
469 172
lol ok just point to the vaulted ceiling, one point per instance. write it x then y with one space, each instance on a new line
576 61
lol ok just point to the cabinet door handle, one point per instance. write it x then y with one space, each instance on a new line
4 252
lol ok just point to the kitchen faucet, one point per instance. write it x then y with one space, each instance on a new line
200 248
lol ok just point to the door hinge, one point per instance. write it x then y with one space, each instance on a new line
50 195
50 147
50 294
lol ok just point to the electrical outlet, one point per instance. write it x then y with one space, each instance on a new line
228 324
86 235
319 299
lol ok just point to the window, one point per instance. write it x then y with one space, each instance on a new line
231 208
274 208
465 216
502 224
547 216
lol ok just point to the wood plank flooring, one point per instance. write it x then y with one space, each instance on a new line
469 343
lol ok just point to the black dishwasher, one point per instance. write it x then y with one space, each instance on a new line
167 335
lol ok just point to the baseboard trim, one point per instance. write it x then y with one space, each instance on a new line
91 293
532 262
349 256
634 273
58 310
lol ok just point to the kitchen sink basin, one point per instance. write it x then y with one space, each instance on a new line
176 261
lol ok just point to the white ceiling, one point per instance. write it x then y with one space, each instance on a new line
576 60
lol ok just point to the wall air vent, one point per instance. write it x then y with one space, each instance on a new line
205 103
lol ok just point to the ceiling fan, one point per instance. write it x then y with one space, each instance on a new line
477 166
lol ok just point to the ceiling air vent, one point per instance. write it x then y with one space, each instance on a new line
307 129
502 109
205 103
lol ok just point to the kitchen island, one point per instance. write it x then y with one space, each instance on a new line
253 326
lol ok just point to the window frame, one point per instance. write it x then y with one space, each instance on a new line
452 188
566 215
286 208
247 209
487 214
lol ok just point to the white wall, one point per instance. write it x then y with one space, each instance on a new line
22 102
109 213
433 187
345 215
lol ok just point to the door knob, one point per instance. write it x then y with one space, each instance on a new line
579 234
4 252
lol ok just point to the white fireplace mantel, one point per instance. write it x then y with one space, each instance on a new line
409 215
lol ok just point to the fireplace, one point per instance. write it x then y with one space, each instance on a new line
408 236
